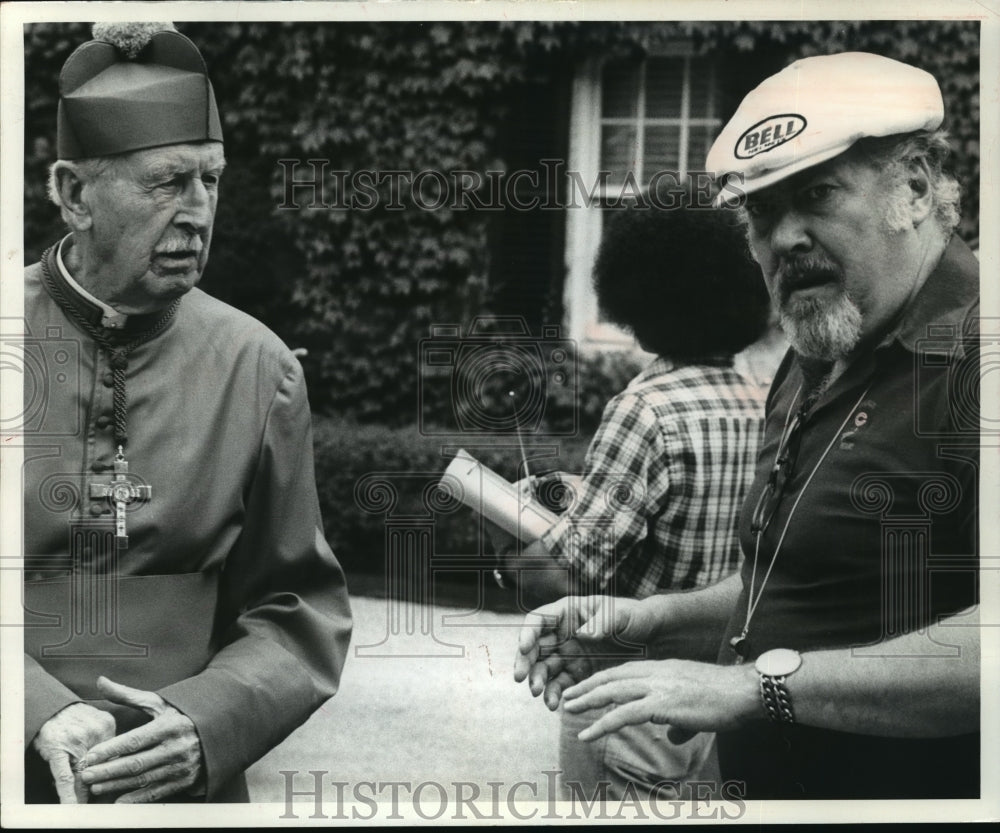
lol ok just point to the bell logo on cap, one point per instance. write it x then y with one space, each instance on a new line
768 134
815 109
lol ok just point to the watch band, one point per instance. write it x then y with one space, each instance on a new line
776 700
774 667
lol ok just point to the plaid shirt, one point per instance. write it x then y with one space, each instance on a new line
665 478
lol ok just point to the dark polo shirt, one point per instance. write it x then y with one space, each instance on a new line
882 541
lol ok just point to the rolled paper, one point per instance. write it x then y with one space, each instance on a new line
496 499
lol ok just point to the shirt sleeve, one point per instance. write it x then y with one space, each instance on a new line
283 622
44 696
625 483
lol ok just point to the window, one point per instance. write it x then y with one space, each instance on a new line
657 115
629 120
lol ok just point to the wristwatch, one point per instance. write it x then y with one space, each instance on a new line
774 667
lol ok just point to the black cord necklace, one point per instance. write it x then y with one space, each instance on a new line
120 491
760 524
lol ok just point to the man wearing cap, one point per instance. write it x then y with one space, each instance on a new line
183 613
849 659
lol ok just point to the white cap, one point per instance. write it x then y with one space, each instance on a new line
815 109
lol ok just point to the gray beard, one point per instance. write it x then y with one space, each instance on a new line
819 329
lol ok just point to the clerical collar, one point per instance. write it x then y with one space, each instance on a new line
110 317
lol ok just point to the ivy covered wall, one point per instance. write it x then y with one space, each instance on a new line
360 288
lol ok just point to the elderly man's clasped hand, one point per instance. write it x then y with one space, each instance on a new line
152 762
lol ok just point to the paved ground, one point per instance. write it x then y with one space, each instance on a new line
455 715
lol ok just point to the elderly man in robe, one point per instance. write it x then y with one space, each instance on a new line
183 613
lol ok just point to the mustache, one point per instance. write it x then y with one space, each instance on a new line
808 269
190 244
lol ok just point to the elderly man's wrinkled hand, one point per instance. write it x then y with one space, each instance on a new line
64 739
566 641
691 697
158 759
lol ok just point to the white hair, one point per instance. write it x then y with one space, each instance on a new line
896 155
87 170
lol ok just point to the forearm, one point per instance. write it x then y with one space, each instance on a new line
690 624
897 693
684 624
902 695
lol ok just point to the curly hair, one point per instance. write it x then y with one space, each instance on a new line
896 154
681 281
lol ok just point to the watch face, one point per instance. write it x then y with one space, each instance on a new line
779 662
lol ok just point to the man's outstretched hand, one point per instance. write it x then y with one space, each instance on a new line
158 759
566 641
691 697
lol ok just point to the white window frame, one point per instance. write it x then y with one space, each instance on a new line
584 217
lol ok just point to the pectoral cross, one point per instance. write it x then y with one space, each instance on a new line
122 493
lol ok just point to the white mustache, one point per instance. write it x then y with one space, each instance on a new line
193 245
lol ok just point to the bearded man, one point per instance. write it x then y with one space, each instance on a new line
183 612
846 657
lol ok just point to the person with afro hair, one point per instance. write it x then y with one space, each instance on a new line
657 505
682 282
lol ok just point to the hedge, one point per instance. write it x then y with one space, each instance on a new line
354 461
